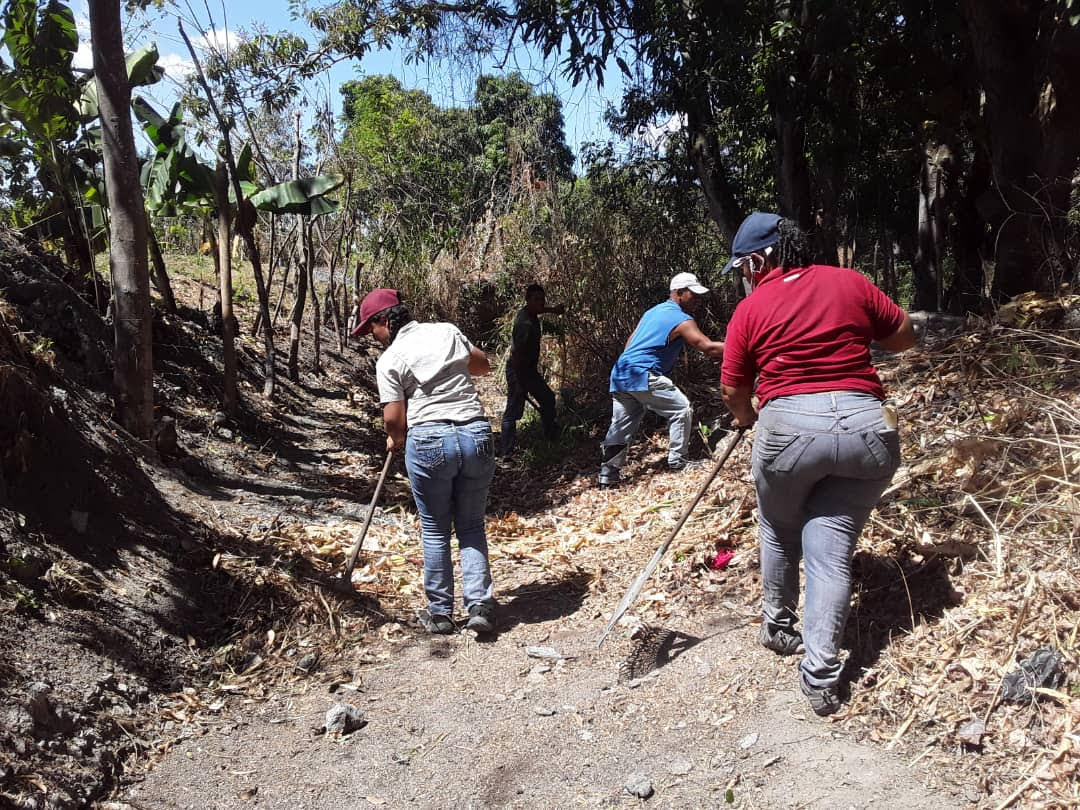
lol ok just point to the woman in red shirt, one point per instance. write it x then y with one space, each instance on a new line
825 448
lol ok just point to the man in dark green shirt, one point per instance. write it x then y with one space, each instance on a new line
522 376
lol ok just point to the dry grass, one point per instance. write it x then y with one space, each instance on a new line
982 527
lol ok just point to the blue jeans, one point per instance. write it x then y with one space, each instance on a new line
450 468
627 410
820 463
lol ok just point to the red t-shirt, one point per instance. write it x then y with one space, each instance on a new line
808 331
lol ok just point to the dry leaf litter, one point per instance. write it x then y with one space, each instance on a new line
968 565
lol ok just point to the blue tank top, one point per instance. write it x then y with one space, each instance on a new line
649 349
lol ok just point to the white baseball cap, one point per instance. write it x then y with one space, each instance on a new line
688 281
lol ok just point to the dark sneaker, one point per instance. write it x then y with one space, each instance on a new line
781 640
679 466
438 624
481 618
824 700
609 483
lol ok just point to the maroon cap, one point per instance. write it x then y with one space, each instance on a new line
374 302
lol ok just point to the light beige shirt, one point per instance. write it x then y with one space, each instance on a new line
427 365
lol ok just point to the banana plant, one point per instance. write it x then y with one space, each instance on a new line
177 181
46 113
305 196
39 121
142 69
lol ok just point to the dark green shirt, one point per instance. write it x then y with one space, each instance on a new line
525 343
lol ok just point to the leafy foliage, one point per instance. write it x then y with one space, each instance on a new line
305 196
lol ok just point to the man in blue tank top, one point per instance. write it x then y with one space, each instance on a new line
640 382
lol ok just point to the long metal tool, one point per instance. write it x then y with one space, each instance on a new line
639 583
346 578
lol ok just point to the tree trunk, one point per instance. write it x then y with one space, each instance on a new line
792 170
77 242
706 157
271 259
246 220
284 288
890 281
969 236
316 315
296 317
228 322
927 268
216 256
247 229
825 239
128 258
331 294
1005 44
161 276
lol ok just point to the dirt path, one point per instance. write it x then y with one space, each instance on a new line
460 722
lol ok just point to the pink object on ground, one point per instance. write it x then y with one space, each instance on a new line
721 560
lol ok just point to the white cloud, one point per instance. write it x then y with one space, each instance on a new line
657 135
176 66
222 40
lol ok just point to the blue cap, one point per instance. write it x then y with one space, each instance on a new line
757 232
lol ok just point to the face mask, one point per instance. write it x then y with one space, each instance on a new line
757 270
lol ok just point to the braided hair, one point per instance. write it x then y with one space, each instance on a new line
395 317
792 250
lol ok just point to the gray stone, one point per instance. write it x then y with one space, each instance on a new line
24 563
165 439
344 719
748 740
680 767
39 704
17 720
639 784
544 711
79 520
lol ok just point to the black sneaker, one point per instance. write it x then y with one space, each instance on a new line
824 700
609 483
438 624
781 640
481 618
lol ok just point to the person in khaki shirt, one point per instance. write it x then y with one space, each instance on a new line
431 411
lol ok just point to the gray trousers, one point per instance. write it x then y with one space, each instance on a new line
820 463
627 410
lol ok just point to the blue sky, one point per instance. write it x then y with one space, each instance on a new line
449 85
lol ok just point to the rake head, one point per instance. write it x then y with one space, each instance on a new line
650 649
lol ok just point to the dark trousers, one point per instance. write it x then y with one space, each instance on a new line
518 386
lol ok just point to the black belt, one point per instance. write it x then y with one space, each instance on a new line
451 422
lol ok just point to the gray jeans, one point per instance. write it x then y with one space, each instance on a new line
627 410
820 463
